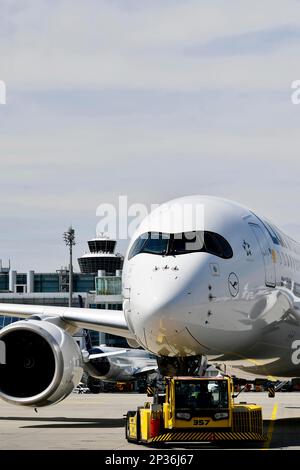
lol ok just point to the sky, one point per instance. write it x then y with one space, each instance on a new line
149 99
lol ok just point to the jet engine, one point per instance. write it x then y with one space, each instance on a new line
105 368
99 367
41 363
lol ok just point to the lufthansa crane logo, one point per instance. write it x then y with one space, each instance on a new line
233 284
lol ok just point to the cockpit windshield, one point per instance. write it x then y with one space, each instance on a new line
172 244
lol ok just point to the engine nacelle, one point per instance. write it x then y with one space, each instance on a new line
98 368
106 368
42 363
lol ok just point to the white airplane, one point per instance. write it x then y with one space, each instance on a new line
112 364
225 286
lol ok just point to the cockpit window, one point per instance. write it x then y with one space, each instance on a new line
156 244
181 243
173 244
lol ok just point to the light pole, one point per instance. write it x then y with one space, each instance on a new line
69 238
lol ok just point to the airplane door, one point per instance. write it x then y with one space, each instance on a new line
267 255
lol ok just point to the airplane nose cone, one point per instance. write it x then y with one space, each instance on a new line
162 304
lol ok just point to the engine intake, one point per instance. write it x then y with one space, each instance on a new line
42 363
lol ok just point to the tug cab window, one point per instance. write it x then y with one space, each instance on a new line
166 244
198 395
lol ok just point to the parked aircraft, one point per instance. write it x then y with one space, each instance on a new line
118 364
225 287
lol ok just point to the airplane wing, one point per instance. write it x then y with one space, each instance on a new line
145 370
105 321
107 354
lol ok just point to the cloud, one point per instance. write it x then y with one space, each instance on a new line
75 45
150 99
254 42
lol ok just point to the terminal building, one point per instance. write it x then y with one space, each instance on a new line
98 285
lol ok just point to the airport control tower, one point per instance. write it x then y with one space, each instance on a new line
101 257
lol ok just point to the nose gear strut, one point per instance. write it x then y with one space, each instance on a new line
182 366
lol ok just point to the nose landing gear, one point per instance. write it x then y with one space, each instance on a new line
182 366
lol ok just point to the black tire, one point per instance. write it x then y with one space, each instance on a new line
95 385
130 439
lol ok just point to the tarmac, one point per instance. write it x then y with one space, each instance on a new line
94 422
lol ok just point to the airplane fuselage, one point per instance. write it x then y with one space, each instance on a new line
233 298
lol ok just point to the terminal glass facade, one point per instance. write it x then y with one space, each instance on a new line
4 282
46 283
109 285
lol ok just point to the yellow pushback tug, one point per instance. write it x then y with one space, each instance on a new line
195 409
